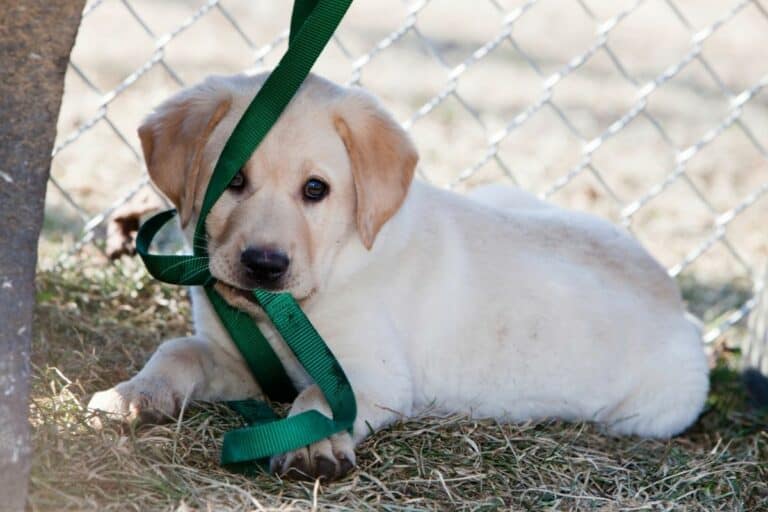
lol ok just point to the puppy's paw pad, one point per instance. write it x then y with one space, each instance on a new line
325 468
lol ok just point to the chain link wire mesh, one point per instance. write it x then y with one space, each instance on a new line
651 113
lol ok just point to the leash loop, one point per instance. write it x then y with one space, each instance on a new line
313 23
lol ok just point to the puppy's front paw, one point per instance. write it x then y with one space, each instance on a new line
329 459
141 401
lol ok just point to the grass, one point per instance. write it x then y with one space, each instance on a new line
96 327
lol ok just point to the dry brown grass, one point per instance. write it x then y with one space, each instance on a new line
97 326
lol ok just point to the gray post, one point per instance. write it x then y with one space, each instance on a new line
36 37
755 349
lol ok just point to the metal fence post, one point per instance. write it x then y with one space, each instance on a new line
755 350
36 37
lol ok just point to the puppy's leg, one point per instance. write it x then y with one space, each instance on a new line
328 459
181 369
666 402
383 392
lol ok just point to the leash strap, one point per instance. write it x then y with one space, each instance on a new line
313 23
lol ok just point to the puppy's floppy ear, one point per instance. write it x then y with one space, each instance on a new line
383 160
173 138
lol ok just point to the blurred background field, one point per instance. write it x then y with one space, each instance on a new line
651 113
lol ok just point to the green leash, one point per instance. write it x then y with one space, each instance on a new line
313 22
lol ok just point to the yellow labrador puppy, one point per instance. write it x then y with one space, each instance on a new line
499 306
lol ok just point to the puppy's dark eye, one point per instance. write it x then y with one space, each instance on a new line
238 182
315 189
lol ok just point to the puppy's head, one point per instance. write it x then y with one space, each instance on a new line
333 170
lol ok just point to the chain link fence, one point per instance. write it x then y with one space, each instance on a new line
651 113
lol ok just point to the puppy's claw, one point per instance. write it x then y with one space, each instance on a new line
297 466
276 464
345 465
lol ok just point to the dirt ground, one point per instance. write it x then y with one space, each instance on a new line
430 464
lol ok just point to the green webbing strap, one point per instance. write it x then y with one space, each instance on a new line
300 12
313 23
254 443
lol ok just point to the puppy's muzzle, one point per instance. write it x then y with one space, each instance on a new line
265 265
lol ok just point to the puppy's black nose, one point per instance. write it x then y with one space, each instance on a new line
264 264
